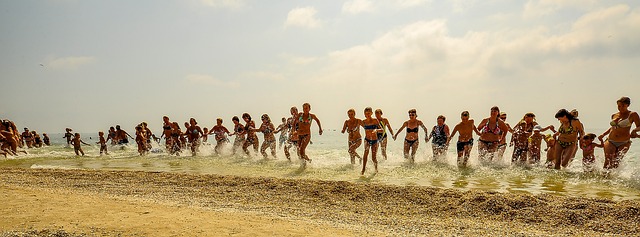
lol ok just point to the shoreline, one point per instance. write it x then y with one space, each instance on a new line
315 207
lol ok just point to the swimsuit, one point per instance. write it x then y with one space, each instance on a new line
382 135
439 137
566 144
618 144
371 142
412 129
460 145
411 142
496 130
625 123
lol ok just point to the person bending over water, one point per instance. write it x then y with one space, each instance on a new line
465 128
371 127
492 131
382 134
566 138
352 126
303 125
411 138
619 140
440 135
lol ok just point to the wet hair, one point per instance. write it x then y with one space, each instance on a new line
442 117
368 109
235 118
562 113
589 136
378 111
465 113
624 100
247 116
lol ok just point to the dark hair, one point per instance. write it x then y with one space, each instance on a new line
564 113
465 113
625 100
247 116
368 109
235 118
589 136
442 117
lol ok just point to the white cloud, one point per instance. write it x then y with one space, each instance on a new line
68 63
303 17
357 6
265 75
204 79
462 6
539 8
410 3
298 60
233 4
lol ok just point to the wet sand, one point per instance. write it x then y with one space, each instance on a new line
39 202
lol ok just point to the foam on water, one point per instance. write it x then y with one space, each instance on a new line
331 162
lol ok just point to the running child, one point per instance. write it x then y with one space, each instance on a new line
76 142
103 143
354 140
588 146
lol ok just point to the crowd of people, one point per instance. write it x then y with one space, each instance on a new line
295 132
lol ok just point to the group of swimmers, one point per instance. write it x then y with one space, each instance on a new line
295 132
526 139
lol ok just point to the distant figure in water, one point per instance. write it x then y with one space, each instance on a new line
122 136
68 135
382 134
103 143
46 139
492 131
466 127
76 142
371 127
440 134
411 138
112 135
194 132
354 139
619 140
303 126
551 158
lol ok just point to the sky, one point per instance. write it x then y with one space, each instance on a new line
91 64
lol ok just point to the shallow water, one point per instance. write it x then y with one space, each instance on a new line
331 162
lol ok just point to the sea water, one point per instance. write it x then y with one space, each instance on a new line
331 162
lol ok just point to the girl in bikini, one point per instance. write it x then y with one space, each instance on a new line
303 128
619 140
411 138
566 138
239 132
382 135
440 135
352 126
252 138
492 131
371 127
267 128
194 132
588 146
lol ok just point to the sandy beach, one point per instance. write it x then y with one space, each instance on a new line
47 202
